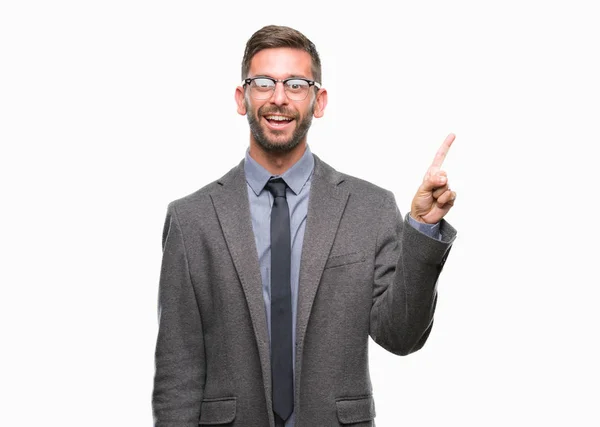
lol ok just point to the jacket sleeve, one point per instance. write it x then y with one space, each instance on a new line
407 266
179 358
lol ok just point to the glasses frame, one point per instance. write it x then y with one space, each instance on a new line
311 83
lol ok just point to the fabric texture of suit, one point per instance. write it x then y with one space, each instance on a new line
363 272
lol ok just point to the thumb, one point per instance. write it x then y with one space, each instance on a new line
433 181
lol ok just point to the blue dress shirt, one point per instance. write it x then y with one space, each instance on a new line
298 179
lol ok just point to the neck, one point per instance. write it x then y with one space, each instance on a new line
275 162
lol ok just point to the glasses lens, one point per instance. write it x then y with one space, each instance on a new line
296 90
262 88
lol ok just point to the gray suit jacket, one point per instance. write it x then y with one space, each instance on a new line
363 272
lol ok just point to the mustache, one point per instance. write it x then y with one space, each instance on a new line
265 111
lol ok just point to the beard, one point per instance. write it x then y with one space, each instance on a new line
274 146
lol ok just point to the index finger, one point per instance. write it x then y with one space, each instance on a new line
441 154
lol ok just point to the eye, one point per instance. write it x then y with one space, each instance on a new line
263 83
296 85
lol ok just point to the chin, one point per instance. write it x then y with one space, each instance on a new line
277 146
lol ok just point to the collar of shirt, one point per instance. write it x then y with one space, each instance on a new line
295 177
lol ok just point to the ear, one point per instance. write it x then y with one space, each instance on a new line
320 103
239 100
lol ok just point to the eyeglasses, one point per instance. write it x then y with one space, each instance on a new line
295 88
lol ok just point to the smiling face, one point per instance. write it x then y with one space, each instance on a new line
278 124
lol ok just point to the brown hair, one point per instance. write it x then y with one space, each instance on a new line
274 36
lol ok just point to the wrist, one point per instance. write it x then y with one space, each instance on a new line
418 218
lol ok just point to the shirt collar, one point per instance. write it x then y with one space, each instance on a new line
295 177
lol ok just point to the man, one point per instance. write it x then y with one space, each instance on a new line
275 275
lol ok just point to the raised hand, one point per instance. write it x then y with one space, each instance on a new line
434 197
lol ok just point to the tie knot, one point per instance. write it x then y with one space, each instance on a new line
277 187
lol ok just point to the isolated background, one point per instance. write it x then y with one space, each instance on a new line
109 110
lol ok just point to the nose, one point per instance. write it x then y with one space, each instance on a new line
279 97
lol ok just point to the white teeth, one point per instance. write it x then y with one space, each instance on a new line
278 118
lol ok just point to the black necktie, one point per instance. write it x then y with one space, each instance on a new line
281 302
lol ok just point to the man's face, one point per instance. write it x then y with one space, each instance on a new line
271 134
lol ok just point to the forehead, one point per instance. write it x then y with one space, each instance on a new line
281 63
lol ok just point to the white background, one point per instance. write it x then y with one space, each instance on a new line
109 110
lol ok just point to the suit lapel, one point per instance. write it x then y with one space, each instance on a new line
325 207
233 210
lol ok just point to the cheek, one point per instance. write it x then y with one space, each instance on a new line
310 108
251 111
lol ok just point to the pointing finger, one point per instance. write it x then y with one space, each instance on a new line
441 154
